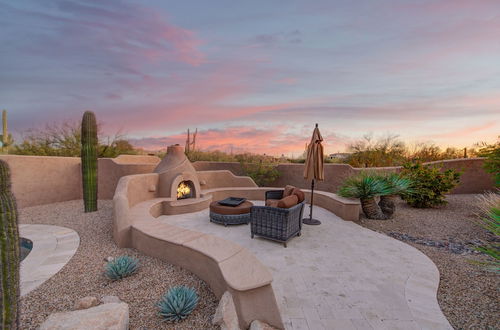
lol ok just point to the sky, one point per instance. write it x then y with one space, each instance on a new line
255 76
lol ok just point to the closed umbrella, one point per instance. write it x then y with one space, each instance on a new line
313 169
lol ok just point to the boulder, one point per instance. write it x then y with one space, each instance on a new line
86 302
259 325
110 316
225 316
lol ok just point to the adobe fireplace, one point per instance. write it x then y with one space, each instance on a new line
177 177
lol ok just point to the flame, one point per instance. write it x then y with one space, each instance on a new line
183 190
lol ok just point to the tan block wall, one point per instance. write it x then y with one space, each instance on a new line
41 180
215 166
474 178
38 180
223 178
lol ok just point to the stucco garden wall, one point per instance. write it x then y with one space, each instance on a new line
42 179
474 178
38 180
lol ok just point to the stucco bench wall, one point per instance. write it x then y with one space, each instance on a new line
224 265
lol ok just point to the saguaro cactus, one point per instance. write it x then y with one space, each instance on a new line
89 161
9 253
6 138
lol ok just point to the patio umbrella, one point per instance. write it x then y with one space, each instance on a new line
313 169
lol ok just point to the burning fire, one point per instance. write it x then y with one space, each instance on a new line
183 190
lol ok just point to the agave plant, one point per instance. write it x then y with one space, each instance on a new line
397 185
121 267
366 187
178 303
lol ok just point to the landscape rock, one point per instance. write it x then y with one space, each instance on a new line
86 302
259 325
225 316
110 300
450 245
108 259
111 316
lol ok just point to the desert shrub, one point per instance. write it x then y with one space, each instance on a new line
64 139
492 162
486 202
429 184
178 303
211 156
490 221
370 152
121 267
262 173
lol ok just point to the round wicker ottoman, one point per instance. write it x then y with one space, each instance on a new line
230 215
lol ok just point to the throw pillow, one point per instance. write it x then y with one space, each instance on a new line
288 202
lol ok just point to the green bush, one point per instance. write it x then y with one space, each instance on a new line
429 184
492 162
178 303
262 173
121 267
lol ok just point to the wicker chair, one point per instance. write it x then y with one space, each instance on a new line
276 223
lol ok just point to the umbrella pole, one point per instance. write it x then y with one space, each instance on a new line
310 220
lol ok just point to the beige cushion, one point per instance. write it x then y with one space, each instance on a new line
288 190
300 194
288 202
272 202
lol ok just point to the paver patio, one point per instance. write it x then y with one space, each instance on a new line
340 275
53 247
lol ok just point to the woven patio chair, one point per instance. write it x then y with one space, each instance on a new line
275 223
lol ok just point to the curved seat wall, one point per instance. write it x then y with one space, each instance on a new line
224 265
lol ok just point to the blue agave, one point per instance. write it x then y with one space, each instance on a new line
178 303
121 267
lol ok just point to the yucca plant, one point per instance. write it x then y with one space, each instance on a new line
121 267
366 187
178 303
397 185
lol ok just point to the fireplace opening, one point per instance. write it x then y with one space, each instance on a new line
185 189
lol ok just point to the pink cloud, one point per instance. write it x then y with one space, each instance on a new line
465 131
275 140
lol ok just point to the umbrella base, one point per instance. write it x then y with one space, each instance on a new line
310 221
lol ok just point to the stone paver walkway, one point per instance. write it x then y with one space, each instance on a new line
53 247
340 275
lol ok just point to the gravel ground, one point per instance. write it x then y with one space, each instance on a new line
468 295
83 275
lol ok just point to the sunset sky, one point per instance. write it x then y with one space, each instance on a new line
256 75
